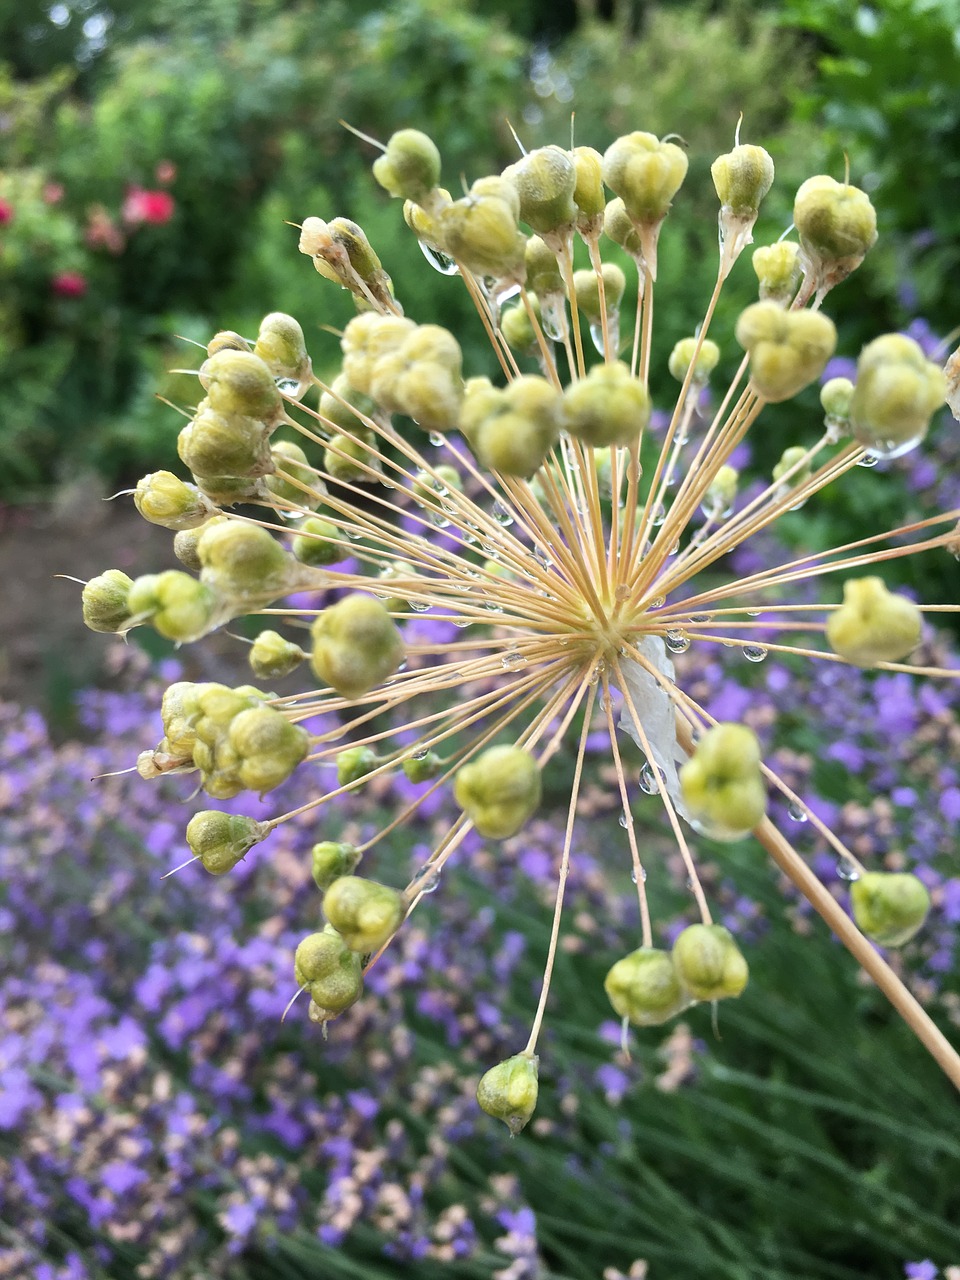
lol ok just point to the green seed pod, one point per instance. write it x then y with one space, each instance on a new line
343 417
355 763
317 543
836 223
185 543
423 221
897 392
644 987
342 253
238 383
429 486
481 231
508 1091
176 604
873 625
241 560
348 459
607 407
390 572
215 444
789 459
366 340
619 227
329 970
512 430
289 457
179 712
423 767
742 178
282 348
788 349
331 859
227 491
421 378
889 907
722 491
356 645
163 499
105 600
707 360
836 396
645 173
499 790
545 180
221 840
722 784
543 270
227 340
586 286
516 327
588 194
409 168
365 914
272 657
777 268
269 747
709 963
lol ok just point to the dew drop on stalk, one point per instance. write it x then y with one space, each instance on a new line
648 780
797 812
754 652
846 870
439 261
677 642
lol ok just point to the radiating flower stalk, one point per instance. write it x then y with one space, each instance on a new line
542 520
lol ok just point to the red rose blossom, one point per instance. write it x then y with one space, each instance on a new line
69 284
142 206
6 212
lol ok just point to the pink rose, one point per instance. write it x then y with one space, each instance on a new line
142 206
6 212
69 284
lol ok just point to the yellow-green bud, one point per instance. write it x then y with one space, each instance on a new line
331 859
289 457
788 460
543 270
481 232
722 491
423 767
499 790
329 970
644 988
241 559
897 392
645 173
219 444
227 491
619 227
508 1091
607 407
179 712
185 543
366 340
788 349
835 396
269 747
221 840
516 327
722 784
317 543
545 180
709 963
227 340
365 914
588 194
389 574
342 253
238 382
356 645
105 600
281 346
742 178
512 430
586 286
175 604
421 378
343 416
777 268
873 625
836 223
409 168
348 459
889 907
355 763
428 485
682 354
272 656
164 499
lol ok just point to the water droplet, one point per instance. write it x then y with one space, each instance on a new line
288 386
427 881
597 672
677 642
701 617
542 558
797 812
868 460
658 603
847 871
419 606
754 652
674 549
596 336
438 520
462 622
513 659
648 780
625 821
493 606
419 755
403 666
658 515
502 514
439 261
436 439
643 874
888 449
505 293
